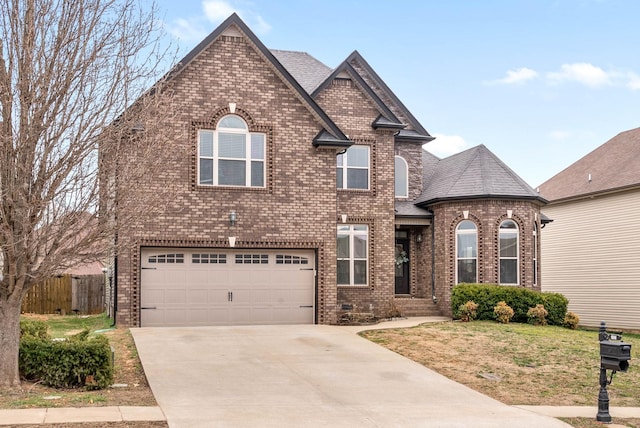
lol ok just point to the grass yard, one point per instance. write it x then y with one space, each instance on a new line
131 387
517 363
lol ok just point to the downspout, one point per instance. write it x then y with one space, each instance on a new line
433 260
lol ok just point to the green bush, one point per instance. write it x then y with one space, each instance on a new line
69 363
519 299
33 328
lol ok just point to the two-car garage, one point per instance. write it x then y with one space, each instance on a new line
191 287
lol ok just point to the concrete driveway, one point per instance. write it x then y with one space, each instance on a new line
305 376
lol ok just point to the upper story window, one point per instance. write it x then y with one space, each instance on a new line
230 155
466 252
509 252
353 254
353 168
401 177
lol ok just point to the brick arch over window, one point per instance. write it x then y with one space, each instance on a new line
253 126
521 246
451 256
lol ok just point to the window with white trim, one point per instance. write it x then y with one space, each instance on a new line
401 177
230 155
353 254
509 245
466 252
535 253
353 168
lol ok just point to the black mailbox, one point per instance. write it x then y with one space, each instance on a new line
615 355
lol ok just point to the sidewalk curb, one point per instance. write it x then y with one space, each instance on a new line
80 414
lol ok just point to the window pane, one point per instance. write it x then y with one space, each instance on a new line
231 146
340 160
343 272
360 227
360 247
231 173
360 272
257 146
339 181
206 171
232 122
400 177
508 224
357 178
206 143
508 271
467 271
467 225
358 156
257 174
467 246
508 245
343 246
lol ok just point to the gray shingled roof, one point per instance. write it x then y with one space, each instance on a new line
308 71
613 165
408 209
474 173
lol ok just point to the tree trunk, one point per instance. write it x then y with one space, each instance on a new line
9 342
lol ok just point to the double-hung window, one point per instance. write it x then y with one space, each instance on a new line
230 155
353 254
467 252
353 168
508 252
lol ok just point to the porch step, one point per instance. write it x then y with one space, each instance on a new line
416 307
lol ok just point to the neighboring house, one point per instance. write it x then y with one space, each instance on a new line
302 193
590 251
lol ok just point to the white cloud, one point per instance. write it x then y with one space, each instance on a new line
195 28
582 72
217 11
519 75
446 145
634 81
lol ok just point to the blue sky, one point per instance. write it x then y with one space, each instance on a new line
541 83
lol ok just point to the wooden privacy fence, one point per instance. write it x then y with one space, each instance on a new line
66 295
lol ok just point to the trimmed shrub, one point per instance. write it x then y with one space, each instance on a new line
537 315
571 320
519 299
33 328
69 363
468 311
503 312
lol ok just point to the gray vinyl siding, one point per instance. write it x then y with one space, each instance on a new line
591 254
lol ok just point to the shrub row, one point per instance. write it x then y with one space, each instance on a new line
77 361
520 299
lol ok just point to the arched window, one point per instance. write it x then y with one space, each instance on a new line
535 253
230 155
466 252
509 252
401 177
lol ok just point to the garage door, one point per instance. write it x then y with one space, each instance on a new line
226 287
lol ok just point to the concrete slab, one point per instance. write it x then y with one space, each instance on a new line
307 376
22 416
82 414
142 413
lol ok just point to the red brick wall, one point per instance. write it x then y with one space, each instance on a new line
487 214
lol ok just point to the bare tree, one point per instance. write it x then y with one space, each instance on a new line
68 71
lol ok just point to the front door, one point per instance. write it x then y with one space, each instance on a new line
402 265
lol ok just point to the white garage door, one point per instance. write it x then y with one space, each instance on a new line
226 287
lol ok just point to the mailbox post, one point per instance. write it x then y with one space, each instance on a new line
614 355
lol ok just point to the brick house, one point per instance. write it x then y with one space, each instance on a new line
302 193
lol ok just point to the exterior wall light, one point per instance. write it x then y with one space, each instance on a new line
419 238
233 218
